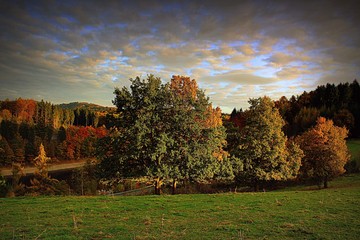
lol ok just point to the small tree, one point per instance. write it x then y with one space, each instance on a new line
41 161
83 181
16 187
325 151
42 183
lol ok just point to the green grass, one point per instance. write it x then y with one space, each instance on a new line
298 214
354 147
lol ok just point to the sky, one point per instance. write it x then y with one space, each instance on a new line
64 51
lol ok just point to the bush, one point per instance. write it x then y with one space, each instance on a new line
353 166
3 186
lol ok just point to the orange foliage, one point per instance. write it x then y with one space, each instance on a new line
187 90
213 117
184 87
214 120
25 109
5 114
220 154
325 150
21 109
101 132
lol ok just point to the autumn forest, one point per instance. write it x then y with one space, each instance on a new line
170 135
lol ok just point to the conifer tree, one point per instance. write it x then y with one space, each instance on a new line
42 183
6 153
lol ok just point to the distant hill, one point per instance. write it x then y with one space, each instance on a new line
84 105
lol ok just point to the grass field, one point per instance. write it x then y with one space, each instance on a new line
298 213
354 147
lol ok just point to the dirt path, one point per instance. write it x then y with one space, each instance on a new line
6 172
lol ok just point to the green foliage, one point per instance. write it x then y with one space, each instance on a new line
9 129
305 119
263 147
339 103
344 118
6 153
84 105
164 131
83 181
16 188
353 165
353 146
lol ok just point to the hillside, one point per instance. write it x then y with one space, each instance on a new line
85 105
301 213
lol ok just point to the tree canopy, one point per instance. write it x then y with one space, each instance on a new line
165 131
264 149
337 102
325 151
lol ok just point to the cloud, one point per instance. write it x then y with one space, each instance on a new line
80 50
241 77
280 59
287 73
247 50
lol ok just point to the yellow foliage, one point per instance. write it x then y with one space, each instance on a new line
41 161
213 117
184 87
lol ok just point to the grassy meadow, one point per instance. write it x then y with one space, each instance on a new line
300 212
297 213
354 148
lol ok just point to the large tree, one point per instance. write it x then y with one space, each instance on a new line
325 151
197 134
164 131
264 149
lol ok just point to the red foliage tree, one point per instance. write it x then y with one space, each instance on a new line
80 141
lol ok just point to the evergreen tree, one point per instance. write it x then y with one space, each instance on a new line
6 153
305 119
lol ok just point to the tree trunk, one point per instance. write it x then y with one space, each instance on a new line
82 182
326 182
158 183
256 186
174 187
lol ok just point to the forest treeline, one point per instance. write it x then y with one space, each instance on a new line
341 103
66 134
170 132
